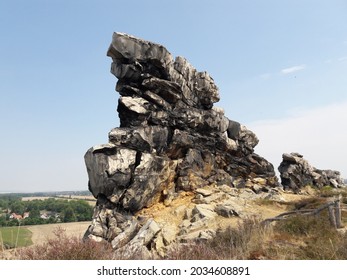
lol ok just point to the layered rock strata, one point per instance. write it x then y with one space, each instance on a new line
296 173
171 139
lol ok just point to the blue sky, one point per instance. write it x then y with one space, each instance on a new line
280 66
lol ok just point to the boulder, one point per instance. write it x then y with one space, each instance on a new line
296 173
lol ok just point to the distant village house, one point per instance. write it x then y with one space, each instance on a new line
15 216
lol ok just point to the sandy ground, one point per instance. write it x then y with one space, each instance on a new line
173 215
42 232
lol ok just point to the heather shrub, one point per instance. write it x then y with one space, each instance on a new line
63 247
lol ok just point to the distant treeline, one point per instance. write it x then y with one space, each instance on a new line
45 194
45 211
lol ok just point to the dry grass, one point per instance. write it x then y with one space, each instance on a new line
309 203
42 232
243 242
63 247
295 238
313 238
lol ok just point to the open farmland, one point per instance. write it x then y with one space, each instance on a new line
37 234
88 198
40 233
11 237
16 237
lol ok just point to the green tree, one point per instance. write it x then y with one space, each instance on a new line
82 209
3 203
17 207
69 215
3 221
35 213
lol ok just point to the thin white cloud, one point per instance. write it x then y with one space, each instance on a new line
318 134
293 69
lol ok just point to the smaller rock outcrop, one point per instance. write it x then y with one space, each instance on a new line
297 173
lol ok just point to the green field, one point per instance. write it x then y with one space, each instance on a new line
14 237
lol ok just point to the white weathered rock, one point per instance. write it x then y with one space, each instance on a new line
169 234
125 237
135 104
180 210
146 234
204 192
204 211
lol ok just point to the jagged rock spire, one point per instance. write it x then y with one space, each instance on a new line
171 138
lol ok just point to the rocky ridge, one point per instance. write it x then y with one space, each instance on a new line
172 145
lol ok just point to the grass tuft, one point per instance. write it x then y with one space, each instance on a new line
244 242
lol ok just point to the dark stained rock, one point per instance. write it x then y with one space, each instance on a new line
171 139
297 173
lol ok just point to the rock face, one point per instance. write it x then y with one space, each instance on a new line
297 173
171 139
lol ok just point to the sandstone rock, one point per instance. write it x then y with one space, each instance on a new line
143 56
169 234
235 206
228 210
201 211
227 189
180 210
211 198
124 238
171 139
296 173
196 224
151 139
197 236
146 234
204 192
206 235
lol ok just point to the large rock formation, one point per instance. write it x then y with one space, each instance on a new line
171 139
297 173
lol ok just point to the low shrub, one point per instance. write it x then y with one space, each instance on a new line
320 241
306 225
327 191
309 203
243 242
63 247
